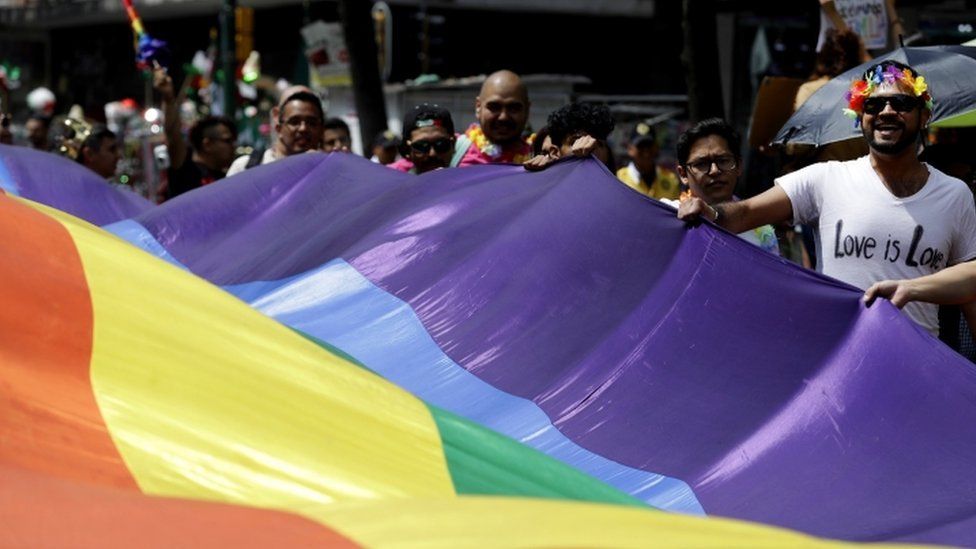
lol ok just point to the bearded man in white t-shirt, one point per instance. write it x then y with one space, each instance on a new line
883 216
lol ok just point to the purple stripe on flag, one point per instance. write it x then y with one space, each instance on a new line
60 183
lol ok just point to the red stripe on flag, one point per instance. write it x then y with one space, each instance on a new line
49 419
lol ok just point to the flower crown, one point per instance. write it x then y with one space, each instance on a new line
863 88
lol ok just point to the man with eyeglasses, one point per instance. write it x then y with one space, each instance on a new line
429 140
298 127
883 216
213 142
709 164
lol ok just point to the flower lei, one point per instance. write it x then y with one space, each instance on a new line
480 140
863 88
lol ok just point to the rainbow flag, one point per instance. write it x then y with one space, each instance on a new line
559 309
142 406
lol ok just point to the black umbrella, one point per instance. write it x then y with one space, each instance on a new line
949 70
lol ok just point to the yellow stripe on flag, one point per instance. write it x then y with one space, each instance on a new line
511 522
208 399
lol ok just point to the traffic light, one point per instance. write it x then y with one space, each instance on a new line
244 37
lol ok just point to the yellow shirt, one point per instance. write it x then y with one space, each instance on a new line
665 184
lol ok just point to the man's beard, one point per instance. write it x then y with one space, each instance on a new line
906 140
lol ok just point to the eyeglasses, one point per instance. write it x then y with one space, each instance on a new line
296 122
900 103
440 146
723 163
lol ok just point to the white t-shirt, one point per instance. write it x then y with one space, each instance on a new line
867 18
240 163
865 234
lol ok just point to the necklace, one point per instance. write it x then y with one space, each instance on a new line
494 151
480 140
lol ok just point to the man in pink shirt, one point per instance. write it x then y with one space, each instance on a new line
502 108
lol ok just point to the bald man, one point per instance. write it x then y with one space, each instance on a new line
502 108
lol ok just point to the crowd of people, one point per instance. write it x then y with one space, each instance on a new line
882 219
430 140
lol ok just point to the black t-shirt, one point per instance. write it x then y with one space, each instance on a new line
189 176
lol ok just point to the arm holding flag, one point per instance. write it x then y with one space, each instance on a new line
767 208
163 84
950 286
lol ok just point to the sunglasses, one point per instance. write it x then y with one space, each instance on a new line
900 103
440 146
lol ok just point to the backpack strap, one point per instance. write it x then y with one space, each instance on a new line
255 159
461 147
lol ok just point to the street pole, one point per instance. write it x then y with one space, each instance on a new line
228 56
700 60
357 26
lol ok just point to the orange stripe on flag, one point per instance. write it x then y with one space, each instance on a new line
49 420
40 511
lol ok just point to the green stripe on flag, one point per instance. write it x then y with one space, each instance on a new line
484 462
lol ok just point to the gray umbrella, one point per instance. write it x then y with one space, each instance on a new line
949 70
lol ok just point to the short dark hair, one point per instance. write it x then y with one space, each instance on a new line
94 141
304 97
335 123
705 128
593 118
203 128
